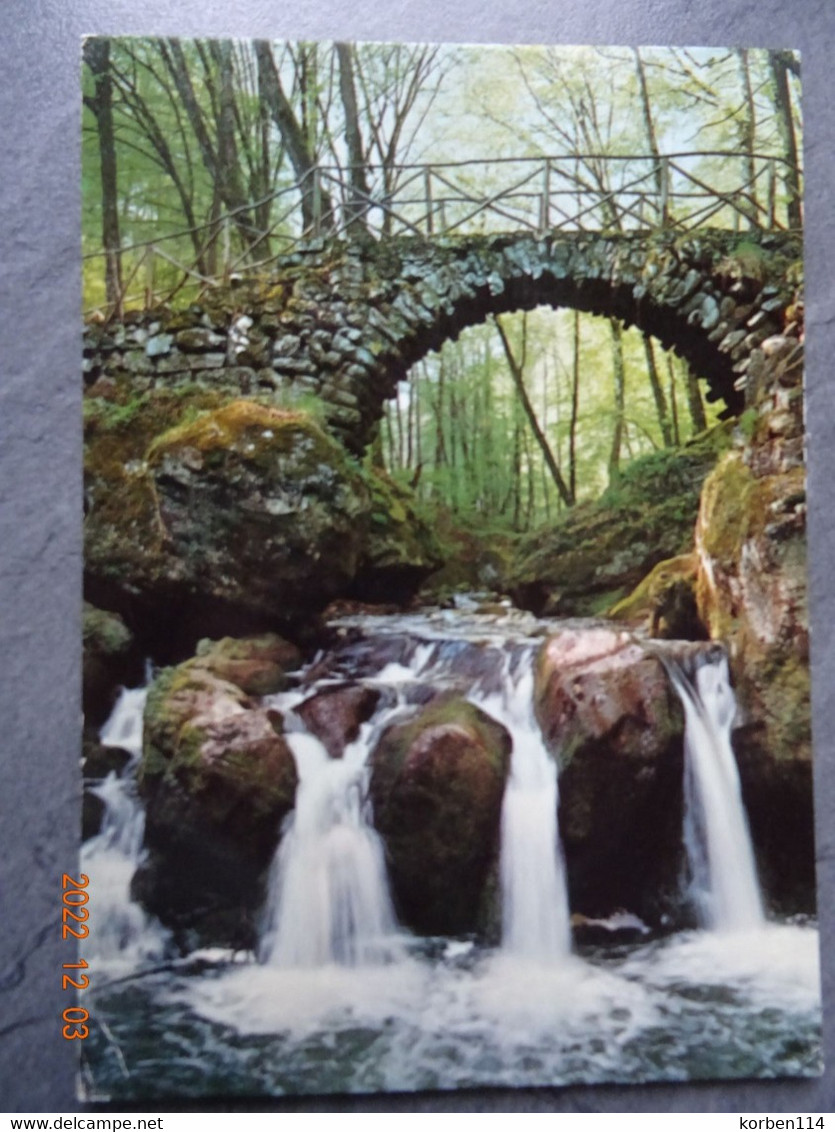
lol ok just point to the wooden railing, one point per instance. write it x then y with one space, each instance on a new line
585 193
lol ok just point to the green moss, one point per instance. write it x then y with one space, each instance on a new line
727 509
746 261
641 601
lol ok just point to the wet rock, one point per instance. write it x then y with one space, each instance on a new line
401 550
97 762
335 715
664 603
437 782
752 594
610 715
620 927
218 779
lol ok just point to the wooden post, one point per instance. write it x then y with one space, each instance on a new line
427 189
545 198
665 192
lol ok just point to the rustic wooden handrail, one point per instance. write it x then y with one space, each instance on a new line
427 200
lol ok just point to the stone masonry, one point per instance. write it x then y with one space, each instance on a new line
346 322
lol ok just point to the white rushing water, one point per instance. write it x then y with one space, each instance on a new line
328 894
535 917
328 898
723 883
120 931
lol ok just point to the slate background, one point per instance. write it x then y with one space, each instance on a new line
40 474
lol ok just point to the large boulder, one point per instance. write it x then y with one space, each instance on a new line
437 782
335 714
240 507
218 779
609 713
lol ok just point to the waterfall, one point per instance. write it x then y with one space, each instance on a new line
119 928
328 892
717 841
535 918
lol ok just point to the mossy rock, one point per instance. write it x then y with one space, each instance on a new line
257 665
752 594
218 779
437 782
664 603
610 716
239 505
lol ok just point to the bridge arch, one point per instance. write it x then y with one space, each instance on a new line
347 322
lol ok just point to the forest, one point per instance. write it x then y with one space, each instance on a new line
208 159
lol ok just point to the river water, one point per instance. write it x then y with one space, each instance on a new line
339 998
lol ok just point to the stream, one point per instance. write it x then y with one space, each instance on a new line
340 998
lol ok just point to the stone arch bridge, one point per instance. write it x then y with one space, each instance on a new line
347 321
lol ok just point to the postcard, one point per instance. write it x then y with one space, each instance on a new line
446 665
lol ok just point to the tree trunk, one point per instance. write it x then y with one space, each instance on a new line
694 400
619 400
575 410
541 439
747 136
649 125
97 58
317 210
358 203
658 393
780 63
673 400
221 160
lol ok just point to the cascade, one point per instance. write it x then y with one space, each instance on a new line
328 893
328 899
119 928
720 856
535 917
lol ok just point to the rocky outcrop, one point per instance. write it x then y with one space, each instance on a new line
205 515
612 719
664 604
218 779
242 507
437 782
752 594
593 557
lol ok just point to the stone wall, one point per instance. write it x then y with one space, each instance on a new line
346 322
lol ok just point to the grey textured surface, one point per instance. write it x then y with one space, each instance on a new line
40 473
